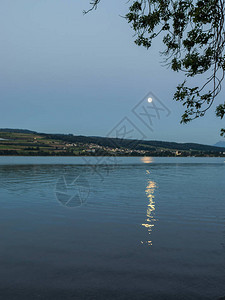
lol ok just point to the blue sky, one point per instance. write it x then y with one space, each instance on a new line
65 72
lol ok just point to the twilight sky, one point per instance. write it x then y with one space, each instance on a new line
64 72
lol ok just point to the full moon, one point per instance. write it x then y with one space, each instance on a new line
149 100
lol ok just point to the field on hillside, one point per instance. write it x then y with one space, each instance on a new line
33 144
39 144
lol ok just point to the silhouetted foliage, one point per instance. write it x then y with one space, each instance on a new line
194 38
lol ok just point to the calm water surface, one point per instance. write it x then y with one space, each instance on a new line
131 228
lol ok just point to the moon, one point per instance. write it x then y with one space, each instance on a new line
149 100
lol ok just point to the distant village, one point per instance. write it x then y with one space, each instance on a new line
91 149
38 144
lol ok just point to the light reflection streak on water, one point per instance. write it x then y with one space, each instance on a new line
147 160
149 221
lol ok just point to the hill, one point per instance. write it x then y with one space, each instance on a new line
220 144
16 130
27 142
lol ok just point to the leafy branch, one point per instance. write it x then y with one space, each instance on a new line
193 33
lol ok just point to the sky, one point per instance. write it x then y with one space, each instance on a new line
65 72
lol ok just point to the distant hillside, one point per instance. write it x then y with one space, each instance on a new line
141 145
27 142
16 130
220 144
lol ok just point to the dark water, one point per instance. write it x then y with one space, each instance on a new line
131 229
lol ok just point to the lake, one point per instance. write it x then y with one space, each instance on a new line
112 228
